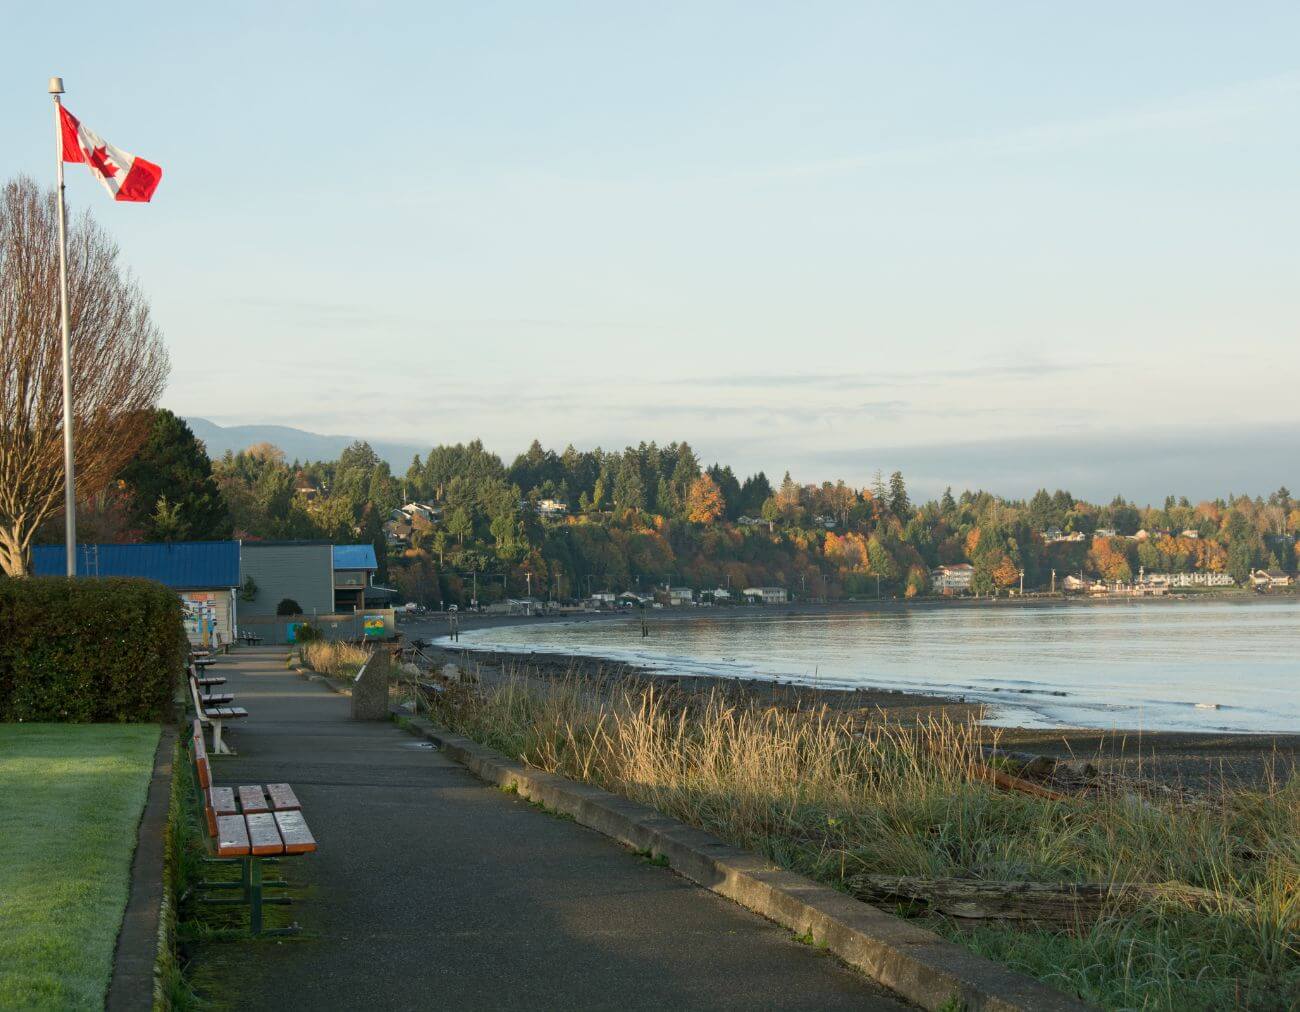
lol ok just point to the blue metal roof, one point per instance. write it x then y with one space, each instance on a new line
355 557
184 565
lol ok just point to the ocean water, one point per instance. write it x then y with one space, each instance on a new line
1185 666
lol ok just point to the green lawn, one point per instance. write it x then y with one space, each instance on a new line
70 803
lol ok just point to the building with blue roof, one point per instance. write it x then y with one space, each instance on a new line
222 583
204 573
354 569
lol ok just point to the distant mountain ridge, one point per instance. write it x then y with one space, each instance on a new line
296 443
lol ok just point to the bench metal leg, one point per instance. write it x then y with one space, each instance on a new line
254 896
219 746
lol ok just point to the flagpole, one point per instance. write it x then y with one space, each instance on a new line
69 467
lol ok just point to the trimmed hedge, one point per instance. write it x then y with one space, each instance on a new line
89 651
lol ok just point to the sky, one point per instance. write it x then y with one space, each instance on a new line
998 245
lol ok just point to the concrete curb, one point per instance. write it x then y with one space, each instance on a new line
132 983
914 962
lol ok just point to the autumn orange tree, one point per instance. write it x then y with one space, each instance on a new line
1006 573
119 365
704 502
1109 558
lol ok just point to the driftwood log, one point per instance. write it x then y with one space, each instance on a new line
1032 901
1009 783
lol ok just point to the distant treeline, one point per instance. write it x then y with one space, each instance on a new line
564 523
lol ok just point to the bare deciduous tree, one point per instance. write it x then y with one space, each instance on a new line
119 364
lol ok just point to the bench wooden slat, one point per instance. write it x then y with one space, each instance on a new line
218 801
215 680
216 699
282 798
293 830
232 836
252 799
222 800
263 834
225 712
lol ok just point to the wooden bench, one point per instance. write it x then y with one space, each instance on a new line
252 639
214 710
247 824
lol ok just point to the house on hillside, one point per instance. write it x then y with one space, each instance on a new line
204 574
677 597
552 509
413 511
954 579
631 599
398 532
766 595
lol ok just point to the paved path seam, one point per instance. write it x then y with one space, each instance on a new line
916 963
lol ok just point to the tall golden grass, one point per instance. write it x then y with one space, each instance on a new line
821 795
338 660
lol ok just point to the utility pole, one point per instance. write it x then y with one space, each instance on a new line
1053 581
1022 583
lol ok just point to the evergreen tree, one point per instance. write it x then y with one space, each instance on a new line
729 487
754 493
879 493
173 465
947 505
629 489
899 504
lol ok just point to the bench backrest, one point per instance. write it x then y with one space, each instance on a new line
195 694
202 769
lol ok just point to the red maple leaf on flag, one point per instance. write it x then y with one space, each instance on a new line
99 160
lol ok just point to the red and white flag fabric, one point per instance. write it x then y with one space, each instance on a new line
124 176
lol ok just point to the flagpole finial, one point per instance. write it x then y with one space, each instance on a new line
56 86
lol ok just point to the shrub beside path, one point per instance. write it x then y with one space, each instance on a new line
432 889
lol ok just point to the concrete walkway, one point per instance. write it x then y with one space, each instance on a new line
433 890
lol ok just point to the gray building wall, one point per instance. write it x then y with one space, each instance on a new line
303 571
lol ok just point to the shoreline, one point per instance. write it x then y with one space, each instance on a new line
1238 596
1010 703
1193 758
1198 759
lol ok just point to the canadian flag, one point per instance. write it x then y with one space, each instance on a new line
124 176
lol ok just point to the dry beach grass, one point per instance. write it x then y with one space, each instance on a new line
822 794
338 660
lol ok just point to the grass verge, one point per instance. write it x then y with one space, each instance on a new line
71 796
835 802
